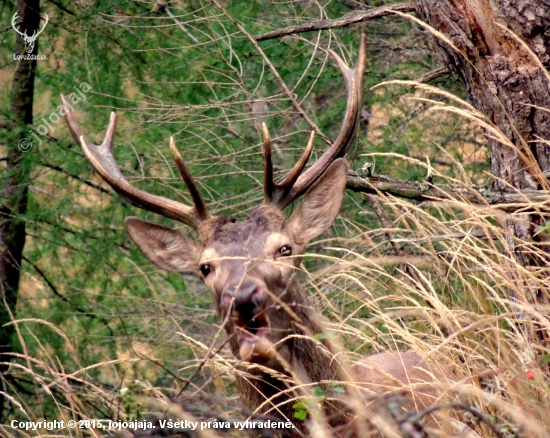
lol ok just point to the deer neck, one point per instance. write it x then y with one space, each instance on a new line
309 361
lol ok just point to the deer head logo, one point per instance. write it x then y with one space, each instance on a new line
29 40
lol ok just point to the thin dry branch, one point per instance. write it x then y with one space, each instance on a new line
77 177
346 20
275 73
502 200
179 24
432 75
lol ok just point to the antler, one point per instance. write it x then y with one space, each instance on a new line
279 194
13 21
46 20
35 33
103 162
295 185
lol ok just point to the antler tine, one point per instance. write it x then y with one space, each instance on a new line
73 126
200 207
13 21
102 160
354 86
294 174
273 192
268 166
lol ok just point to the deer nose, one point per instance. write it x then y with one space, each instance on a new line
243 297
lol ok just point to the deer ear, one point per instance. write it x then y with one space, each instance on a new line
320 204
165 247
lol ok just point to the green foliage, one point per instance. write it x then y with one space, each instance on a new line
196 78
118 321
128 403
300 411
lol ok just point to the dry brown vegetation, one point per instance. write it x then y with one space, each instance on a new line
440 278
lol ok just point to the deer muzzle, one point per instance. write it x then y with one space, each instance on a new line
246 306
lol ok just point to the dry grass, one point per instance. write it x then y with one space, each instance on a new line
462 301
467 302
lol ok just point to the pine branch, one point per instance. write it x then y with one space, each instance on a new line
77 177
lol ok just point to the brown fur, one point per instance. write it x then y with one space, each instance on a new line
246 256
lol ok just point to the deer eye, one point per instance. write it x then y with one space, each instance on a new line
285 250
205 269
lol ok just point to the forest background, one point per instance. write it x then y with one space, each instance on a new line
441 245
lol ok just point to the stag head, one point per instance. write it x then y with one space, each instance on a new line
29 40
250 265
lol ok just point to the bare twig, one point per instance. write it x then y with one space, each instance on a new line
346 20
417 418
432 75
275 73
386 224
66 300
180 25
77 177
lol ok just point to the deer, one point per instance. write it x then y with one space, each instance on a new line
251 268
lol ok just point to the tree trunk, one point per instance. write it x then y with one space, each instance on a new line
15 182
505 72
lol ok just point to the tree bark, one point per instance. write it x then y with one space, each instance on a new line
502 55
15 181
